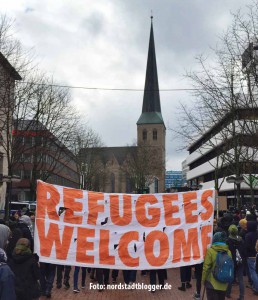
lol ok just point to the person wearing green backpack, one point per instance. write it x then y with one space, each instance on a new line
215 289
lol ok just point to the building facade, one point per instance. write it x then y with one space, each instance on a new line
222 154
8 76
174 179
40 155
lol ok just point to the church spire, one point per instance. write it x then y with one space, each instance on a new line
151 111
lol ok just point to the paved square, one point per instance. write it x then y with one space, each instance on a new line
172 294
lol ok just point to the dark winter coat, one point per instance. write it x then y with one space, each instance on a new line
250 238
16 235
6 283
238 244
26 271
26 233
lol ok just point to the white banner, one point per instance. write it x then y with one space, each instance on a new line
122 231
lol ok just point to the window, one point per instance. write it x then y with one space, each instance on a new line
26 174
112 183
155 134
28 141
144 135
156 185
27 157
37 140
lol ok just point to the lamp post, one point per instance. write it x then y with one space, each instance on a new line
237 181
9 180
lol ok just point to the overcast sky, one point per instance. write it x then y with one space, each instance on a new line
104 43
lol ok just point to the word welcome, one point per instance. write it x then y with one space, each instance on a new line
122 231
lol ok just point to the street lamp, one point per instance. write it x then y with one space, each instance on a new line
9 180
237 181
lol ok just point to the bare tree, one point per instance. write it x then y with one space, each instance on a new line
36 109
225 107
142 166
88 148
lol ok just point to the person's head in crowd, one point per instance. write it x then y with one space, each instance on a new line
220 214
3 256
17 215
25 211
2 221
243 224
236 219
5 233
243 214
233 232
32 216
219 237
26 220
250 217
226 221
22 247
251 226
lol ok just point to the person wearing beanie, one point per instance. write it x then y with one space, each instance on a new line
7 291
236 247
25 226
26 271
215 290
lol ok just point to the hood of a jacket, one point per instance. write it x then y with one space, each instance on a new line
19 259
251 226
220 247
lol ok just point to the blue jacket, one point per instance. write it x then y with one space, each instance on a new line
7 289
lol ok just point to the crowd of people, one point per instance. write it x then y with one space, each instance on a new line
22 277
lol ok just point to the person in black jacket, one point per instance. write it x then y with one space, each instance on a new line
26 271
236 247
250 241
15 236
25 226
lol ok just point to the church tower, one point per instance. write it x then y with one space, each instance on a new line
151 129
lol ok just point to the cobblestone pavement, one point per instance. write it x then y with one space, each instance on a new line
139 294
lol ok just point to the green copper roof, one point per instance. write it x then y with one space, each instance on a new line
150 118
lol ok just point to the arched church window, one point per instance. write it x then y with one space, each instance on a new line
144 134
155 134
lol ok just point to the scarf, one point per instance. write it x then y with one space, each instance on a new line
22 250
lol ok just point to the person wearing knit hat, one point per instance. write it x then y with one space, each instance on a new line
233 233
214 288
243 223
26 271
236 246
7 291
219 237
243 228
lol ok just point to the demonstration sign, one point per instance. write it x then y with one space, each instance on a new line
122 231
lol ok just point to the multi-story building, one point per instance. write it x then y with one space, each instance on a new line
174 179
8 76
185 169
227 156
42 156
